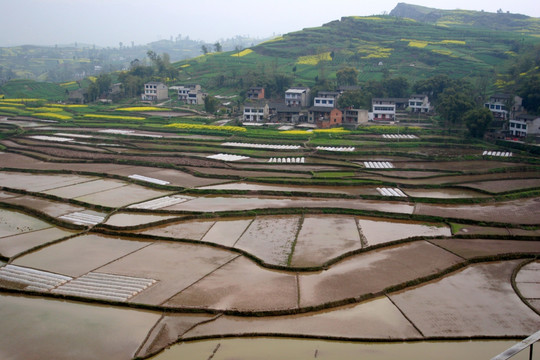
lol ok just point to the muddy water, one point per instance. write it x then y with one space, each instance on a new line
123 219
13 222
34 328
122 196
444 193
323 238
79 255
378 232
301 349
270 238
350 190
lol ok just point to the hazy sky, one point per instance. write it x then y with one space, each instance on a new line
108 22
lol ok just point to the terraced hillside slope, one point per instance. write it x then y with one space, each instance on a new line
410 44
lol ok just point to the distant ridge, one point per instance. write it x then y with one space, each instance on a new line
480 19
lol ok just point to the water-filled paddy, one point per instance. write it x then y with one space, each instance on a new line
34 328
86 188
323 238
193 230
381 231
270 238
237 285
16 244
39 182
479 299
219 203
175 266
124 219
351 190
122 196
303 349
14 222
79 255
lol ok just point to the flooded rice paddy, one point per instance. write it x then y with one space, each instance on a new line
80 242
278 348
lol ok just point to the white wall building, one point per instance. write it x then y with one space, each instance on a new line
155 91
326 99
191 94
524 125
255 112
419 103
298 96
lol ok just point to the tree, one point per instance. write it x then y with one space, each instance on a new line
204 49
218 47
453 104
347 76
530 92
477 121
355 99
396 88
210 104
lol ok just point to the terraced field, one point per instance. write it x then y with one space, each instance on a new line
385 243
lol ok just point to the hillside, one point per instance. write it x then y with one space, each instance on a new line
65 63
379 46
500 21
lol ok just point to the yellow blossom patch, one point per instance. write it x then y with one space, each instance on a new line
143 108
22 100
418 44
331 131
69 106
243 52
8 108
45 109
279 38
10 104
454 42
185 66
296 132
442 52
69 83
314 59
115 117
52 116
205 127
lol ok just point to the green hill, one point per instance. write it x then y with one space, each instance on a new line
378 47
33 89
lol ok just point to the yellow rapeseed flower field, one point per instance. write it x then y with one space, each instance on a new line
314 59
69 106
418 44
331 131
205 127
22 100
115 117
143 108
45 109
52 116
243 52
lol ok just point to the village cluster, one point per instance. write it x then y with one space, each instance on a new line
301 108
